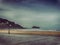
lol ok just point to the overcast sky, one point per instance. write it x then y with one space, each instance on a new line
28 13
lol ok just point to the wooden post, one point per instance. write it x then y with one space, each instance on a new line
9 29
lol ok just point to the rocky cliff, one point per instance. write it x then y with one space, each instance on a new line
5 24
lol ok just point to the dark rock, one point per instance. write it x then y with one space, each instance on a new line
36 27
5 24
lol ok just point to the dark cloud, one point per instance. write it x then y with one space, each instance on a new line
2 9
15 1
12 1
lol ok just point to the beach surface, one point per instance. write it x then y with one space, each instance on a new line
30 32
29 37
13 39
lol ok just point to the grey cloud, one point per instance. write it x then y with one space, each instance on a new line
2 9
32 1
28 15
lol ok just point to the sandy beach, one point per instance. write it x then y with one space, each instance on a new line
30 32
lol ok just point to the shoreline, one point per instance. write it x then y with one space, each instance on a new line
32 32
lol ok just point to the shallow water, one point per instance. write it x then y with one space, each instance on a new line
12 39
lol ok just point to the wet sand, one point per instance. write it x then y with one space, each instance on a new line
31 37
12 39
